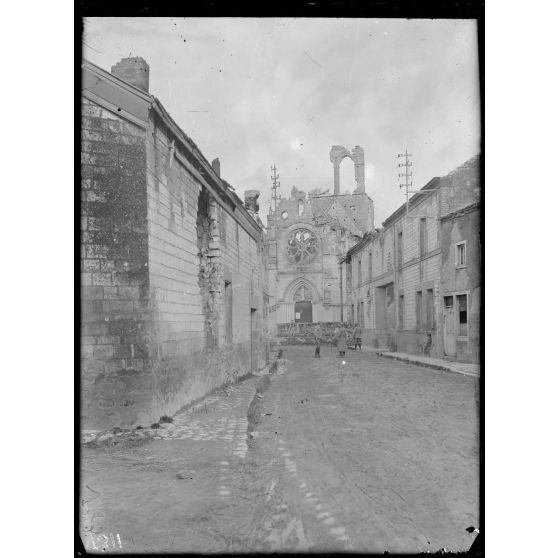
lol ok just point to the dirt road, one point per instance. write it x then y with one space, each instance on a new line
371 455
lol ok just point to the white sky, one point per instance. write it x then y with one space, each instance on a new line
259 91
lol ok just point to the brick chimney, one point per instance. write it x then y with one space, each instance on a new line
133 70
251 200
216 166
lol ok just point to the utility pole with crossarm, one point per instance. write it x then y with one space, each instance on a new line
406 165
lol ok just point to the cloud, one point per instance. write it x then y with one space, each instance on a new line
284 90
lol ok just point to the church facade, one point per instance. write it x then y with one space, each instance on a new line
307 236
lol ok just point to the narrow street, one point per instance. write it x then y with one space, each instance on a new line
370 455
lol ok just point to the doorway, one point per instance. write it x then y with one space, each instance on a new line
254 339
303 311
450 347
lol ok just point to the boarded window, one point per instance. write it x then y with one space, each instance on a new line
401 312
228 312
400 250
462 306
418 310
430 323
423 236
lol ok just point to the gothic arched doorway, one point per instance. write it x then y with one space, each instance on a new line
303 304
303 311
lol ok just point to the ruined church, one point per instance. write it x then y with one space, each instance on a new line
307 234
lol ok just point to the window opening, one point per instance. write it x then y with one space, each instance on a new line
418 311
423 236
228 312
400 250
461 255
430 309
462 306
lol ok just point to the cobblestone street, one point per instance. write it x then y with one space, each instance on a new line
370 455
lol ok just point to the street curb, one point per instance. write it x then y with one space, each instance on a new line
428 365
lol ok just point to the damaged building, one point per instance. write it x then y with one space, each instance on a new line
414 284
307 235
172 262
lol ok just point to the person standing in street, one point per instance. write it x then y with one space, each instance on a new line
357 336
341 340
318 340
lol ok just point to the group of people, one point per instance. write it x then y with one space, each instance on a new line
340 338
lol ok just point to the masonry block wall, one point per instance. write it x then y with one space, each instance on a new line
419 273
114 274
390 276
391 292
194 247
158 245
464 227
373 292
321 274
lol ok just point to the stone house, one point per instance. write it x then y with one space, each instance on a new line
397 276
173 285
461 283
307 234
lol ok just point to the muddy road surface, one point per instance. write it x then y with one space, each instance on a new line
370 455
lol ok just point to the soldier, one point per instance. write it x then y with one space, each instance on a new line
341 340
318 340
357 336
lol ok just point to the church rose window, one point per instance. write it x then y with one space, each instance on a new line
302 246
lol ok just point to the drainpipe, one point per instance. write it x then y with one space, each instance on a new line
395 284
341 287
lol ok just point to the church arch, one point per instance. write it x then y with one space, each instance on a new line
337 154
298 286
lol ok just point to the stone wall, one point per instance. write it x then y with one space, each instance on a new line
389 276
157 248
467 279
114 274
303 333
195 245
321 274
416 270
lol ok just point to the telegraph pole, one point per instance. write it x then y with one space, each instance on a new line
406 165
275 184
